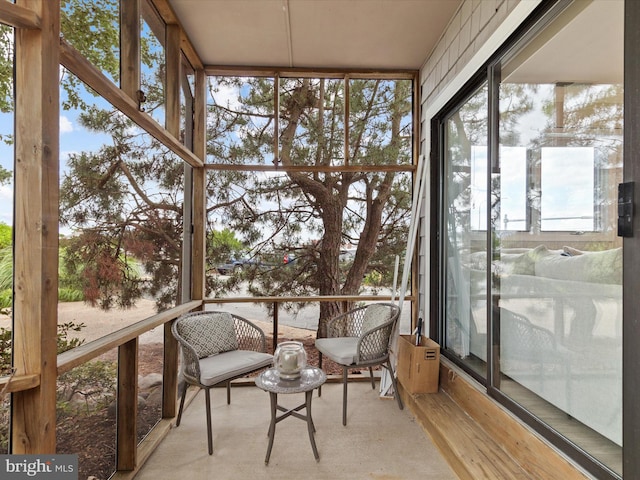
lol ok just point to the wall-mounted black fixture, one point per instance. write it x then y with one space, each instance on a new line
625 209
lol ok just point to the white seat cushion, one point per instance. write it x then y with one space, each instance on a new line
235 363
342 350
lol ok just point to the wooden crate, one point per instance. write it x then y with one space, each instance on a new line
418 366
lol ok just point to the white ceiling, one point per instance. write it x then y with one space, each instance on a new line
571 51
340 34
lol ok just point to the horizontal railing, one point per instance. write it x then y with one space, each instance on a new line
276 301
89 351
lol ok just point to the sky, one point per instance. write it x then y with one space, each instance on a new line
567 185
73 138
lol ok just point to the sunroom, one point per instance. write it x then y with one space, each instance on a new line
288 159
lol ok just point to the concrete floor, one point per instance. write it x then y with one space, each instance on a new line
380 441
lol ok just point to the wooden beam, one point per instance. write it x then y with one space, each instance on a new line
130 47
36 228
347 122
248 71
198 248
17 383
276 120
169 17
85 71
311 168
165 10
18 16
170 373
154 21
514 441
305 299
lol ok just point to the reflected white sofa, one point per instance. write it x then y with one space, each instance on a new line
560 327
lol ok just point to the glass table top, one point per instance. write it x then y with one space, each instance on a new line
310 378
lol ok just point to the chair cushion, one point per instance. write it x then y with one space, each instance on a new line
342 350
374 316
232 364
210 333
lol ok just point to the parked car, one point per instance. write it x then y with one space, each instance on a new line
234 265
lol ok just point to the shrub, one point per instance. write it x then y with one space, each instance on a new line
6 237
89 387
6 297
99 373
70 295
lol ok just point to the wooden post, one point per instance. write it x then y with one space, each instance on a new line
127 406
36 228
171 352
199 189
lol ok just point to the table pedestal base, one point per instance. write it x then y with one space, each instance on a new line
288 413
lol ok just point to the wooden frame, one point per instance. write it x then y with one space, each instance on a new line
40 51
36 226
345 76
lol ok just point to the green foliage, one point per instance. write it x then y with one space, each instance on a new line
63 341
223 245
126 196
88 387
80 376
6 236
6 278
6 70
101 270
368 208
6 299
373 279
6 268
5 351
92 27
68 290
70 295
5 175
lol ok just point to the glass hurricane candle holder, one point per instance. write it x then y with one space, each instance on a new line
289 359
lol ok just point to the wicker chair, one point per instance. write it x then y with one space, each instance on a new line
361 338
216 348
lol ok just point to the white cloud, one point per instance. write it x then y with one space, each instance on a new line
6 204
65 154
65 125
227 96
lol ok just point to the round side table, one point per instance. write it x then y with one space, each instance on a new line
310 379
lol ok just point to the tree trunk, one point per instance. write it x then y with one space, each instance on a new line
328 263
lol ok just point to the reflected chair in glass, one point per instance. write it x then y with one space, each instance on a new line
216 348
531 355
361 338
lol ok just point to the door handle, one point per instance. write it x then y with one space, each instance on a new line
625 209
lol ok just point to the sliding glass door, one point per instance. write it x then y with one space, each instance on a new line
465 218
531 258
